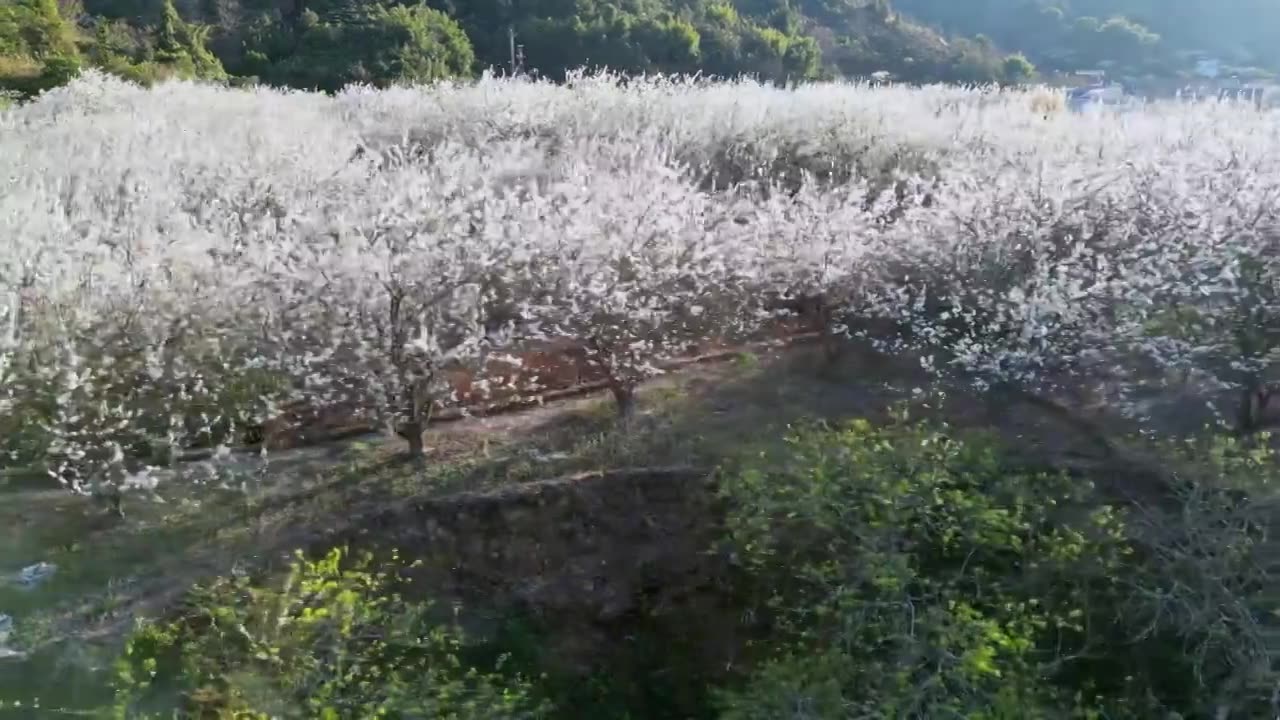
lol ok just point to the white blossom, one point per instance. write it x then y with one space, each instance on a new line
180 262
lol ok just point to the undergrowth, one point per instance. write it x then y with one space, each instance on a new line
909 570
334 639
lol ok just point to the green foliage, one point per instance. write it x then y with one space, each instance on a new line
40 49
715 39
120 49
34 28
37 47
905 571
326 44
868 42
913 573
1129 36
335 639
377 45
182 47
1016 69
670 44
924 577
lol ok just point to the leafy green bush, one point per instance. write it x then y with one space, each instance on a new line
914 574
335 639
1017 69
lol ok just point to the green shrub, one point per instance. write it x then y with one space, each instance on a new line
911 573
332 640
24 77
1016 69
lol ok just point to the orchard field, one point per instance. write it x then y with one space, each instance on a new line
990 440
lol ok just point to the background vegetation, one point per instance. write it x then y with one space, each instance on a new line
1130 37
325 44
904 569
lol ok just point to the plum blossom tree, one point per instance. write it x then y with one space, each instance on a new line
639 266
1124 279
1211 317
131 313
817 253
997 281
385 299
121 361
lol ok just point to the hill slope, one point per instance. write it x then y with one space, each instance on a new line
1161 37
325 44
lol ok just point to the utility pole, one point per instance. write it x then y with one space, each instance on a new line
516 51
511 46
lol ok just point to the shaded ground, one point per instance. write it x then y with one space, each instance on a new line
109 573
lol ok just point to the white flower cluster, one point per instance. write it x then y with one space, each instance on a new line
167 254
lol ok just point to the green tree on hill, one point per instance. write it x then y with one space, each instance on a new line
378 45
669 43
1016 69
37 47
182 46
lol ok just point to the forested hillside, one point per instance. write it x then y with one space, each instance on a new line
1132 36
325 44
328 43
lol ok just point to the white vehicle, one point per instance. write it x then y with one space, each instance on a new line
1097 97
1093 96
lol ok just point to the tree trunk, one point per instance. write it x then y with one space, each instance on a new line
1253 414
413 428
412 431
116 504
822 317
111 499
624 395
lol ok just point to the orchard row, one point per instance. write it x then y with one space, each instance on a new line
181 261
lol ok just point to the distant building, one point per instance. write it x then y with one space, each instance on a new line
1089 77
